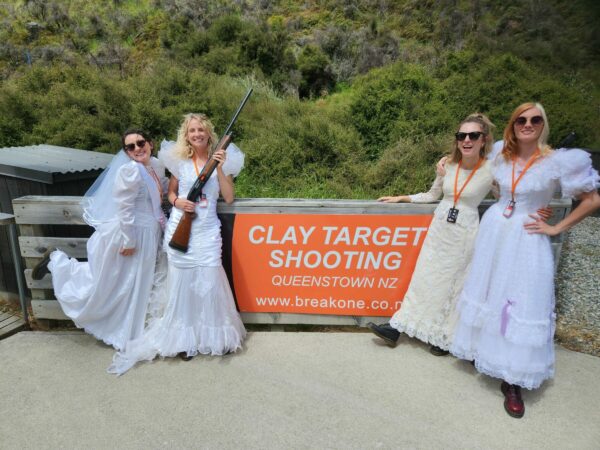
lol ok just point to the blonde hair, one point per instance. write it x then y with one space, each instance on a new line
511 145
488 138
183 149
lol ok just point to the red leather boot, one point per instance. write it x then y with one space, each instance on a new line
513 403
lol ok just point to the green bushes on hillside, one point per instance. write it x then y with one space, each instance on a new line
352 99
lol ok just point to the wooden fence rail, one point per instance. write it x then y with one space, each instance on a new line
32 213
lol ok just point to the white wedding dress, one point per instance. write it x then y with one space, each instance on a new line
428 310
200 314
506 322
108 295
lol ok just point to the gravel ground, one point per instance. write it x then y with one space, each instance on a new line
578 289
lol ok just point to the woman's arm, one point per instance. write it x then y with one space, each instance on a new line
226 185
590 201
398 199
125 190
178 202
434 193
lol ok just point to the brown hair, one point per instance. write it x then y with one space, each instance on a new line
486 127
139 131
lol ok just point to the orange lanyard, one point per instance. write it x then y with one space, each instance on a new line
196 167
531 160
457 195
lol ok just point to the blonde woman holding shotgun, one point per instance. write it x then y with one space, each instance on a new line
200 314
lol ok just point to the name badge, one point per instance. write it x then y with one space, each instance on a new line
452 215
202 202
508 211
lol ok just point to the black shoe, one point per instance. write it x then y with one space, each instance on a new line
41 268
386 332
434 350
184 356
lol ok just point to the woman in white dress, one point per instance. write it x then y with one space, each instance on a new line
506 309
108 295
428 308
200 314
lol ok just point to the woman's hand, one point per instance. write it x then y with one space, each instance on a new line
440 168
398 199
543 213
220 155
127 251
185 205
541 227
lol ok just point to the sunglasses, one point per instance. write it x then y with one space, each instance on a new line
131 147
473 135
535 121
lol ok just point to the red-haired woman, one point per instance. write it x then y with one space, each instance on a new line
506 308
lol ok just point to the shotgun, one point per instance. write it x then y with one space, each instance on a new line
181 237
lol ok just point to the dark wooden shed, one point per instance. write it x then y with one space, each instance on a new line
41 170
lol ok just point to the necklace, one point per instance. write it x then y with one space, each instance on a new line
156 180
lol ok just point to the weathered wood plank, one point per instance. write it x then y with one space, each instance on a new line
35 246
47 309
14 327
50 309
34 230
39 209
67 209
308 319
6 219
44 283
5 316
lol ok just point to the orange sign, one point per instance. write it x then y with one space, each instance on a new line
325 264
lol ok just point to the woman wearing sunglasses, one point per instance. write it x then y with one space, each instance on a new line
428 308
200 314
108 295
506 309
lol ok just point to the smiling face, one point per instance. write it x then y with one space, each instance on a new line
197 135
138 148
528 126
470 148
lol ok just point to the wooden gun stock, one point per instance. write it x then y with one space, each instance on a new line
181 237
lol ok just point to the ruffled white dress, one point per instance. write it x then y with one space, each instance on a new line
200 314
108 295
506 322
428 310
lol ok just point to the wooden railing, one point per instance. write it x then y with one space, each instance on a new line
33 213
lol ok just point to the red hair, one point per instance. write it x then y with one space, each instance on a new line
511 146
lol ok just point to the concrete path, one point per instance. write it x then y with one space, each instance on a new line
285 390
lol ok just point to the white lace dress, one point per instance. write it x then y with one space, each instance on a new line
108 295
428 308
506 308
200 314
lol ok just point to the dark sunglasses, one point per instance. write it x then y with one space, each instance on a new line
535 121
473 135
131 147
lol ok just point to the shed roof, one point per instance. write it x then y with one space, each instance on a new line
43 162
